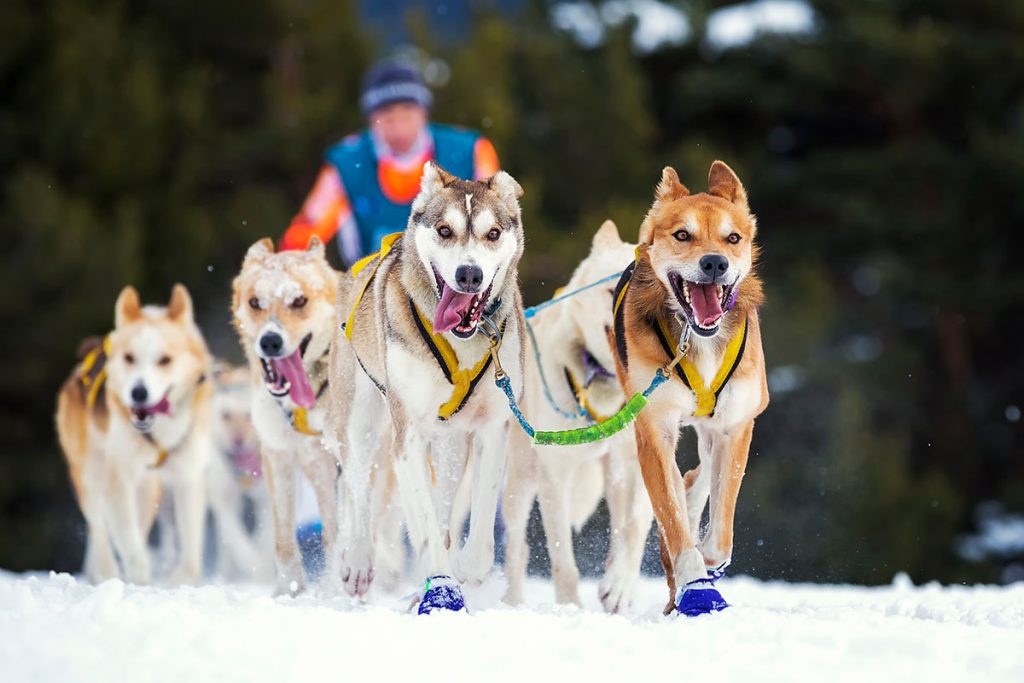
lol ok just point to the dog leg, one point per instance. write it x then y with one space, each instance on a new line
418 500
555 479
656 450
362 439
279 471
697 483
127 529
100 563
490 453
520 491
190 519
389 546
730 453
630 514
321 469
449 455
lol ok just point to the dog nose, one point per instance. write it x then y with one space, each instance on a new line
271 344
469 278
139 394
714 265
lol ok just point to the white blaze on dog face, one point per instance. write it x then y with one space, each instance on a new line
467 236
700 246
284 310
157 355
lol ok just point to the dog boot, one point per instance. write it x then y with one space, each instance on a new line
699 597
442 593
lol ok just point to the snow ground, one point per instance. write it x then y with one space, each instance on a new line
59 628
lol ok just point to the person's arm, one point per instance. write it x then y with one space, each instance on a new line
325 212
485 159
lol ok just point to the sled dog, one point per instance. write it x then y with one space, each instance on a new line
284 311
418 324
571 382
693 292
134 418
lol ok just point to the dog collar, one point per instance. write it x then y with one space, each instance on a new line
579 394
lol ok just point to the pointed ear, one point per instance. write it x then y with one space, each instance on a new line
180 307
607 236
507 188
670 188
435 178
316 247
722 182
259 251
128 308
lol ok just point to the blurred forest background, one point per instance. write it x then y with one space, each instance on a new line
882 145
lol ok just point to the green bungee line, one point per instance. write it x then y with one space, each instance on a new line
595 432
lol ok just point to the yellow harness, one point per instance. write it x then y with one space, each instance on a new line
707 396
463 380
580 394
94 371
385 247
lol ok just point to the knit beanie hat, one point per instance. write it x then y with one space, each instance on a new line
390 82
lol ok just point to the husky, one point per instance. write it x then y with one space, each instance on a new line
132 419
284 312
235 482
571 382
421 319
692 296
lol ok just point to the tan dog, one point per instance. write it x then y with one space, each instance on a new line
577 369
235 481
694 283
135 416
284 312
413 348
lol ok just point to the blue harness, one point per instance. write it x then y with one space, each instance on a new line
356 162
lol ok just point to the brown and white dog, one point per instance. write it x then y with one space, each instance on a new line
284 311
693 283
133 418
572 385
413 349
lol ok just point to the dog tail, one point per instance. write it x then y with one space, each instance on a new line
587 490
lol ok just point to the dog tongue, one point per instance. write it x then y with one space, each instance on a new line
450 308
291 369
707 308
163 406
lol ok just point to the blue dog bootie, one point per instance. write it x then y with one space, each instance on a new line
442 593
699 597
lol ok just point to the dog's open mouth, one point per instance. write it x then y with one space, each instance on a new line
143 417
458 311
702 304
286 376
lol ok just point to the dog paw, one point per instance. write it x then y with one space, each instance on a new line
472 567
289 588
356 570
616 589
138 572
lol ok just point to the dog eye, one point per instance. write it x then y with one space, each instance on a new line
164 361
681 235
129 358
444 231
298 302
254 304
494 234
734 238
